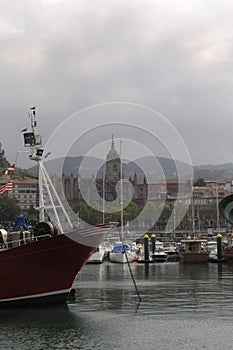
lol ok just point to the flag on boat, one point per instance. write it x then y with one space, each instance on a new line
6 188
10 169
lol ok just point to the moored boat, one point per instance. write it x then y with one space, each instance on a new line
159 255
122 253
193 251
97 256
211 247
171 249
227 248
40 267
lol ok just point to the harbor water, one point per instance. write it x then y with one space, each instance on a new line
183 306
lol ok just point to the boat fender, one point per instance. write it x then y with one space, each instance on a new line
3 236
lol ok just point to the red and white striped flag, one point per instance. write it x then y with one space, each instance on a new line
6 188
10 169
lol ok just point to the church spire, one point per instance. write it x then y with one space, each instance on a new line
112 154
113 163
113 146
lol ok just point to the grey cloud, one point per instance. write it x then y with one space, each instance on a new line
174 57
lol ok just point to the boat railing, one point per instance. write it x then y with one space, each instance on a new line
18 242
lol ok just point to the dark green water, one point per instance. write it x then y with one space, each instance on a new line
182 307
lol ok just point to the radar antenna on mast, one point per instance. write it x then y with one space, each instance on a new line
34 141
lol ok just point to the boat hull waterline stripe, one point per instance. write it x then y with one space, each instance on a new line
41 295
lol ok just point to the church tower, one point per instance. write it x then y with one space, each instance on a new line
113 164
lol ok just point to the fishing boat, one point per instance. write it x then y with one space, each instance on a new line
193 251
40 267
122 253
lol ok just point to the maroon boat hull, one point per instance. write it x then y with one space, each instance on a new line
43 271
41 266
194 257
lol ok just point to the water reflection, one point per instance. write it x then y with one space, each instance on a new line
187 299
166 288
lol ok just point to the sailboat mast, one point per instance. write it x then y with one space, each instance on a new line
193 220
121 194
103 194
217 211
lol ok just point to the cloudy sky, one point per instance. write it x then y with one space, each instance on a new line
173 56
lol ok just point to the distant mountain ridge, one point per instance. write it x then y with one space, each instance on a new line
219 172
152 167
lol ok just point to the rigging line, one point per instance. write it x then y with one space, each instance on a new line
122 223
50 196
17 156
56 195
41 196
131 273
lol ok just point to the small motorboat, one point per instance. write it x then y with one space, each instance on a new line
97 257
172 251
159 255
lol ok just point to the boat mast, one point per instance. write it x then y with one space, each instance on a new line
103 195
36 153
174 221
193 220
217 212
121 194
